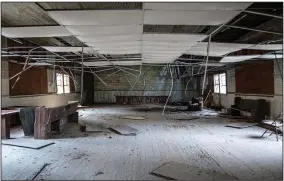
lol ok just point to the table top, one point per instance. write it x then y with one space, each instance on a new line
8 112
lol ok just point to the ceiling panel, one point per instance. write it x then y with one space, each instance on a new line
90 5
174 37
68 49
113 38
232 59
114 43
267 47
188 17
105 30
36 31
196 6
98 17
216 49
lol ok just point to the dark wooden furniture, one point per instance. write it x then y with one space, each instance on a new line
5 122
53 119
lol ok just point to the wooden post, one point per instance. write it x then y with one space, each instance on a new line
40 126
5 127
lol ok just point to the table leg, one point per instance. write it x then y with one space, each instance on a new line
5 127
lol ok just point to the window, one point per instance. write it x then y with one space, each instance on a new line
63 83
220 83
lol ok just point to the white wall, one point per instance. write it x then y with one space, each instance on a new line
276 100
48 100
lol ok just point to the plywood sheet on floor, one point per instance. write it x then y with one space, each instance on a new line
27 143
241 125
20 172
124 129
178 171
93 127
133 117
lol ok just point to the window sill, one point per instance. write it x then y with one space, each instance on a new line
36 95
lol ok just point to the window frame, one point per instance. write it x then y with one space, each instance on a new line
222 82
63 82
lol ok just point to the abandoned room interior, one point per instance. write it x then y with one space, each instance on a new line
141 90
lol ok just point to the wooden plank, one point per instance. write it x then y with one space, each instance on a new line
124 130
179 171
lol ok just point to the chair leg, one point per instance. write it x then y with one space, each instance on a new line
276 132
264 133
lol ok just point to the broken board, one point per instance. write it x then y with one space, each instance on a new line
230 116
241 125
124 130
179 171
20 172
27 143
94 128
183 117
132 117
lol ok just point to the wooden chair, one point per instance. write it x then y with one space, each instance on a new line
274 123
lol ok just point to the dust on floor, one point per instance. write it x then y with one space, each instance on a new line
205 143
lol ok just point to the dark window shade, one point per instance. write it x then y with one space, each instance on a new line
255 78
33 81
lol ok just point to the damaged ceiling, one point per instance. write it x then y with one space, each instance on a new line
148 33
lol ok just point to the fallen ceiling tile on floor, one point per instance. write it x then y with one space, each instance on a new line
124 130
27 143
241 125
179 171
94 127
133 117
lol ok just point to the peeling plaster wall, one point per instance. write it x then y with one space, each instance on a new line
276 100
154 81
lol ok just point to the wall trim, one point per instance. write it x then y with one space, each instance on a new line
37 95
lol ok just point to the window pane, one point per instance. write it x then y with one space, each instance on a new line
223 90
223 79
216 83
66 84
59 83
216 89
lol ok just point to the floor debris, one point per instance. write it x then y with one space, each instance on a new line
99 173
241 125
42 168
124 130
29 142
133 117
94 127
179 171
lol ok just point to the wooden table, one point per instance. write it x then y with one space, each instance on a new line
5 122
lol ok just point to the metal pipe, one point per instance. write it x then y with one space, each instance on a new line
27 60
251 29
208 49
21 72
66 73
263 14
128 68
170 91
105 69
112 73
136 80
188 81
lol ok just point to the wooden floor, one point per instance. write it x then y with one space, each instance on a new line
205 143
